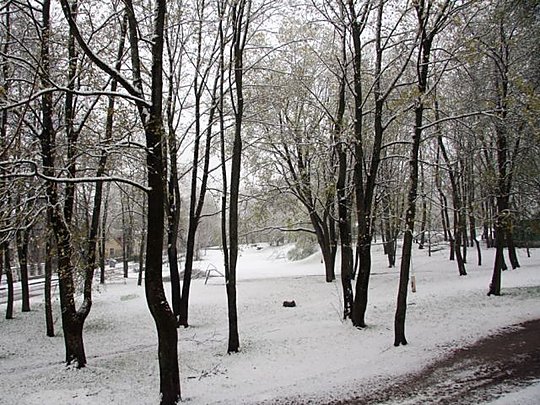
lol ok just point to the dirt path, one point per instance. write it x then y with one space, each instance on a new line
479 373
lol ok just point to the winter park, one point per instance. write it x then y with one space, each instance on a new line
266 202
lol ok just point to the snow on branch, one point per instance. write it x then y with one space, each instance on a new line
33 171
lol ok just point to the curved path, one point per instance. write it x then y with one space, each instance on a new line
505 362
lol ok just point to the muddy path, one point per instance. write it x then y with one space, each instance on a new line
504 362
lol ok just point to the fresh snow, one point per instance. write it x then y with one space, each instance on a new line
302 354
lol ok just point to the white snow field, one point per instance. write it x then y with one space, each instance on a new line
301 354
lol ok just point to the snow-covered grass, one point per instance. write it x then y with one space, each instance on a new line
303 353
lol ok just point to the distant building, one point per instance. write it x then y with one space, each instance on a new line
113 247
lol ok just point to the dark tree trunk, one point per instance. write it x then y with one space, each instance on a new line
9 280
472 224
125 237
328 253
423 224
197 203
49 322
426 36
457 202
102 240
445 217
504 168
103 236
172 254
390 237
362 283
58 217
495 285
240 18
401 308
22 238
142 245
365 183
72 134
512 255
73 339
173 223
344 202
152 118
333 237
164 317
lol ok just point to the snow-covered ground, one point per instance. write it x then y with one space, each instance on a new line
303 353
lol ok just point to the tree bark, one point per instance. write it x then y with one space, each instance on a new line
343 198
240 20
9 280
22 239
49 322
151 116
164 317
425 36
457 202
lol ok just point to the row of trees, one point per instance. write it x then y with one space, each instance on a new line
345 119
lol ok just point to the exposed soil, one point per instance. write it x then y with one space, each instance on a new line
479 373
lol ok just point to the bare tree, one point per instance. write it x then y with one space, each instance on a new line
151 115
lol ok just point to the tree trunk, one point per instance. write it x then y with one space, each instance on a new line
390 239
362 283
142 245
59 218
495 285
9 280
102 240
197 202
151 115
164 317
173 223
503 215
401 308
423 224
344 200
124 240
426 37
512 255
73 340
49 322
22 239
103 237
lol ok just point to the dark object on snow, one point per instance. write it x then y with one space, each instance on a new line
289 304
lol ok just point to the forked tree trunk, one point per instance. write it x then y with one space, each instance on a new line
344 202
